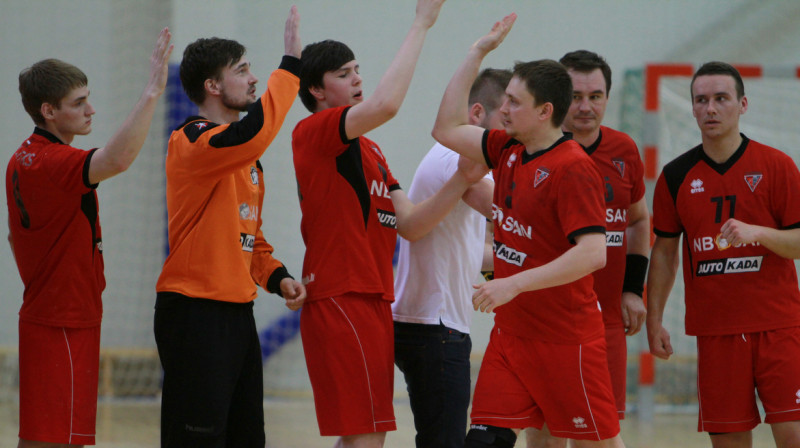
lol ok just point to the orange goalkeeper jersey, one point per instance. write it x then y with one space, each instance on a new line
215 190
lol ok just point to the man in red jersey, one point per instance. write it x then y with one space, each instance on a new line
546 359
737 204
353 209
54 231
204 325
620 284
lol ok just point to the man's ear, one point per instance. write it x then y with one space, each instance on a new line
317 92
212 87
476 114
546 112
47 110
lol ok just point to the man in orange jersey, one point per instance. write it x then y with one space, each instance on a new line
204 324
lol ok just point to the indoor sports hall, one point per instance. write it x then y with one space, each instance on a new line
653 47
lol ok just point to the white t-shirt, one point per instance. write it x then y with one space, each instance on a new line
435 274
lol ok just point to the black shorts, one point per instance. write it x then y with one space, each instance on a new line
213 387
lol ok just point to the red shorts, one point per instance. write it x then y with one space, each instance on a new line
617 348
58 383
731 368
349 348
526 383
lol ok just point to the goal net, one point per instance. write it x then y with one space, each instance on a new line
657 112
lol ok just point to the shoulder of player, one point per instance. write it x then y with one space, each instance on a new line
194 127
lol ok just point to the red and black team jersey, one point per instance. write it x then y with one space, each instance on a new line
348 225
55 229
542 202
620 165
731 289
215 191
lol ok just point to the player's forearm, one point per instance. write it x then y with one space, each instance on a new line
660 277
638 231
454 108
393 86
785 243
579 261
418 220
124 146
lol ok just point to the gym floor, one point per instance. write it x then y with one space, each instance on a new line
291 423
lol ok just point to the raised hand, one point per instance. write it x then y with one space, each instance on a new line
291 34
159 63
496 35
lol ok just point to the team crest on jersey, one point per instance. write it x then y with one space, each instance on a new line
201 125
541 175
620 165
752 180
254 175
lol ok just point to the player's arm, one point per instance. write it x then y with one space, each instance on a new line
660 278
385 102
784 242
487 266
11 238
452 128
123 147
479 197
414 221
586 256
638 236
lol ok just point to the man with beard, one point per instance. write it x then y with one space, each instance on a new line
204 325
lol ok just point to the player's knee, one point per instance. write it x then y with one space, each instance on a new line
486 436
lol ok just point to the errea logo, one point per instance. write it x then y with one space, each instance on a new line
580 422
697 186
511 159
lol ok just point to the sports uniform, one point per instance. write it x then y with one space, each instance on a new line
349 228
57 243
433 308
740 300
617 159
204 324
542 202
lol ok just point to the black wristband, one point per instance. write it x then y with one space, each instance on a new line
635 272
274 281
488 275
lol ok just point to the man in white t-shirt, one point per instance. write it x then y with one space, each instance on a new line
433 287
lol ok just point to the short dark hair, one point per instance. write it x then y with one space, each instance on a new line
48 81
204 59
489 87
719 68
548 82
585 61
319 58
